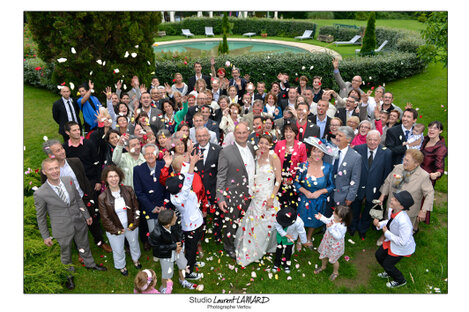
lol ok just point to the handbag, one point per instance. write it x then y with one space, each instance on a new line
377 211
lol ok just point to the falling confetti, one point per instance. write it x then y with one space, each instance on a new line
73 50
62 60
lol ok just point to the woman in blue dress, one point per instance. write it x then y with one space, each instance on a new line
314 183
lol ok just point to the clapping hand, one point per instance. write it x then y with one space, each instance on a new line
408 105
167 88
335 63
168 159
108 93
143 88
118 84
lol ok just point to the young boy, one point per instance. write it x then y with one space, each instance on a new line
167 246
186 202
288 227
415 140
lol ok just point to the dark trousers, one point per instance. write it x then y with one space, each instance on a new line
361 219
191 240
388 263
279 252
95 227
143 230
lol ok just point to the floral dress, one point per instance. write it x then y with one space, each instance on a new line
332 245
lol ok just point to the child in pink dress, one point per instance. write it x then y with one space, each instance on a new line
145 283
332 244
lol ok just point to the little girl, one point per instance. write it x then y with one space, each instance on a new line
332 244
145 283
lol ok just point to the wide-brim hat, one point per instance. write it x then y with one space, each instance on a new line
323 146
286 216
404 198
174 184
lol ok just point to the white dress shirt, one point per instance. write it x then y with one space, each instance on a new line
62 186
248 161
66 171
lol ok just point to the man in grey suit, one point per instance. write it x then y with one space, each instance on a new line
346 169
59 198
346 87
235 179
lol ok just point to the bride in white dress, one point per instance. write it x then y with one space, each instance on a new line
256 232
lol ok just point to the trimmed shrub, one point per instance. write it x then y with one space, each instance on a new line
381 68
37 73
369 40
340 33
286 28
44 273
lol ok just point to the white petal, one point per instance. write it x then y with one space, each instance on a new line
91 73
45 138
104 63
303 68
73 50
99 62
133 54
148 62
72 86
81 250
62 59
126 54
136 46
116 70
125 87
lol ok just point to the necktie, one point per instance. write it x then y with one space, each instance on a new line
72 111
407 134
203 155
62 195
370 159
336 164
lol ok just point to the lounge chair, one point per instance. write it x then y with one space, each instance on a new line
306 35
187 33
249 34
354 40
376 50
209 31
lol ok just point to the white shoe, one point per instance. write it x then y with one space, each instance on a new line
194 276
187 284
394 284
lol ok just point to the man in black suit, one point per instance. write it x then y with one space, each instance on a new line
198 75
65 109
238 82
211 125
306 128
399 134
376 165
321 119
202 99
73 168
348 111
208 169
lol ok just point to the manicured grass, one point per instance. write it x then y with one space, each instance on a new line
402 24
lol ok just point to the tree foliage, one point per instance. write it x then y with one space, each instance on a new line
111 37
223 46
369 40
435 35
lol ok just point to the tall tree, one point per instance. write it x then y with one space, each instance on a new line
223 46
101 46
369 40
435 35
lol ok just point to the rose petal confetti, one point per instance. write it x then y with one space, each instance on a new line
62 60
73 50
45 138
133 54
351 241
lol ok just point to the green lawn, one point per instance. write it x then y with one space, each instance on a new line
402 24
427 91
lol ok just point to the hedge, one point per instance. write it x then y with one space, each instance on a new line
381 68
283 28
43 271
37 73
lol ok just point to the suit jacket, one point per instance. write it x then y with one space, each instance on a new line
150 192
312 118
345 87
258 96
59 113
283 102
191 82
400 234
232 179
342 114
347 179
190 114
63 219
372 178
213 126
311 131
394 139
241 91
419 186
208 172
156 122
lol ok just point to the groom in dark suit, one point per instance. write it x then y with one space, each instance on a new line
399 134
236 169
376 165
64 110
207 168
59 198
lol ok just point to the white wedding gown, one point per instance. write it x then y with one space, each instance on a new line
256 233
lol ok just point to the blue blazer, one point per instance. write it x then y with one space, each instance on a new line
150 192
372 178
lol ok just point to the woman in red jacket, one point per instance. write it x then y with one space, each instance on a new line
434 153
291 153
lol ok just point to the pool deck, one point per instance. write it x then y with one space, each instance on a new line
308 47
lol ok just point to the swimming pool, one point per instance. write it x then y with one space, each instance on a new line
210 47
